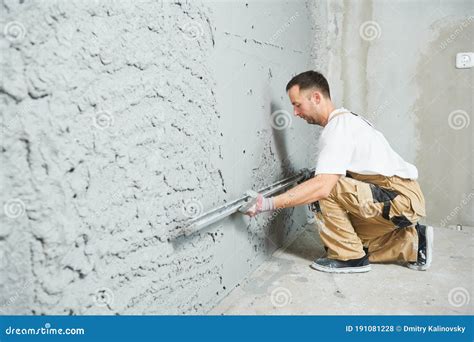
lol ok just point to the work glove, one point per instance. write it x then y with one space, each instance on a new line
257 204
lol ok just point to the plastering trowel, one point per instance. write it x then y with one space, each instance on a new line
250 201
241 204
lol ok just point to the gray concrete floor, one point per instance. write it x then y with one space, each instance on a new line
286 285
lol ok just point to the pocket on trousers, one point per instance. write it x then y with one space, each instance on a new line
401 213
367 206
413 200
417 201
418 207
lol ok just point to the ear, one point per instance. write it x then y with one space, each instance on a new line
316 96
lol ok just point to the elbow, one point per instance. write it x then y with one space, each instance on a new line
327 186
324 195
325 191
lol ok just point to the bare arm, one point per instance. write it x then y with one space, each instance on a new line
307 192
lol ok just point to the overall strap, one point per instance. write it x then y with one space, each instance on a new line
341 113
360 116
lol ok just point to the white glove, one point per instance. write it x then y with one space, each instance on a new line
261 204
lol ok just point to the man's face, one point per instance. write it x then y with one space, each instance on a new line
306 104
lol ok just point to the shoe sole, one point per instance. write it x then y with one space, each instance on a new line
360 269
429 251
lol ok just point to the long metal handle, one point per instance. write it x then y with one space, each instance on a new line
228 209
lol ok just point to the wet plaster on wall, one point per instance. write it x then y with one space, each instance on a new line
114 134
108 123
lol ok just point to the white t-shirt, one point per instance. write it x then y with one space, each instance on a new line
350 143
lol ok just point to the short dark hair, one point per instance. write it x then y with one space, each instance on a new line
310 79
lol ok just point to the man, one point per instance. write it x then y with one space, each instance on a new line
365 196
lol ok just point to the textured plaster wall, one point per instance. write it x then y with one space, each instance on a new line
394 62
123 119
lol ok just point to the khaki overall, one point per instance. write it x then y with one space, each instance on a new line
371 211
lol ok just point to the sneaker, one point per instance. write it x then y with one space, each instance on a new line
425 248
339 266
